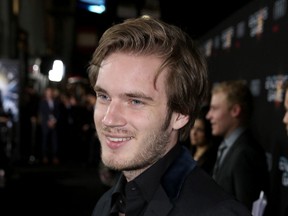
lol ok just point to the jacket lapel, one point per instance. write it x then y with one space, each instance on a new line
168 191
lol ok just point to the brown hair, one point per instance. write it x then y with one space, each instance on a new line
237 92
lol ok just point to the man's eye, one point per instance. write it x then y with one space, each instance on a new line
102 96
136 102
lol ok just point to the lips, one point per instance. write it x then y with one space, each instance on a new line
115 142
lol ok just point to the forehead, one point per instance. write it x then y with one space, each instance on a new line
199 122
131 71
219 97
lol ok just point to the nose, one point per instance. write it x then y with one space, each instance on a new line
114 116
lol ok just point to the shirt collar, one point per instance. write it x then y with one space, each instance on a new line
118 197
230 140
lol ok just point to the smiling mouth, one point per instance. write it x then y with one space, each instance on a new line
116 142
118 139
116 136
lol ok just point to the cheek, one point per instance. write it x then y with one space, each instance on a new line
221 116
97 116
202 136
191 133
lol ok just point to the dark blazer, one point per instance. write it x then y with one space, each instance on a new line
185 190
244 171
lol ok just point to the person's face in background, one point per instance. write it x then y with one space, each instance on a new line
220 115
131 112
285 118
197 133
49 93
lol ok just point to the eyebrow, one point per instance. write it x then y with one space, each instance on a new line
138 95
129 94
98 88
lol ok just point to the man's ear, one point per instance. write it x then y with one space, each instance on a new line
235 110
180 121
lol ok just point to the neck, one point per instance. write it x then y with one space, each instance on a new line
200 150
132 174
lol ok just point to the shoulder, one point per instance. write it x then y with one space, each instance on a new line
246 142
200 184
207 197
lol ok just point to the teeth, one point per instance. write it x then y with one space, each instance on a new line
119 139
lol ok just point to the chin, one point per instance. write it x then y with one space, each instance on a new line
113 161
110 164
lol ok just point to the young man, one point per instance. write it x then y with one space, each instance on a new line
241 168
150 80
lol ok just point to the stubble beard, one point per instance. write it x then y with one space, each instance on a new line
154 148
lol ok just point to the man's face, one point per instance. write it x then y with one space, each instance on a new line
131 111
285 118
220 115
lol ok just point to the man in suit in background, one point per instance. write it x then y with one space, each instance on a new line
241 167
49 114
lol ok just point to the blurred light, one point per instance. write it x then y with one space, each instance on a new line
16 7
35 68
57 72
96 8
